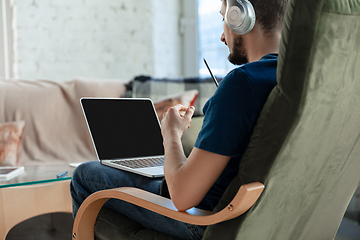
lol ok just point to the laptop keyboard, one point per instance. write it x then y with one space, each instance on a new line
141 163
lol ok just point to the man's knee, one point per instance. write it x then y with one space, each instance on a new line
86 168
81 172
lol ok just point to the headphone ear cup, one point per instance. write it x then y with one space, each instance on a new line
240 16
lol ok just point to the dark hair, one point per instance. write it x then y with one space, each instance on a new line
269 13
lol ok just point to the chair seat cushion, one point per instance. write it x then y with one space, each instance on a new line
110 223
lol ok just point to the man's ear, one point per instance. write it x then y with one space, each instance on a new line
240 16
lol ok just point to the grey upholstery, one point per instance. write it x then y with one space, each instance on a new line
306 145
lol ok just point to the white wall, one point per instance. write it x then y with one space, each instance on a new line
167 38
63 39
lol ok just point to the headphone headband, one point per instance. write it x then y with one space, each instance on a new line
240 16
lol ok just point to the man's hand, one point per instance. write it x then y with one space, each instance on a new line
175 122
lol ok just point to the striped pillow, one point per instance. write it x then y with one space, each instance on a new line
10 139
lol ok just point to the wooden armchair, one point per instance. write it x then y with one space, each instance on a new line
87 214
305 148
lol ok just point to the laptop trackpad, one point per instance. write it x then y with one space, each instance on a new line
154 171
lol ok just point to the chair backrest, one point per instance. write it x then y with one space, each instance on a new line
306 145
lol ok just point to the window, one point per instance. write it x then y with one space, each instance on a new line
5 39
210 28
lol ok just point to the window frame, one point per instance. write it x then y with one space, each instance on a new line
6 39
189 29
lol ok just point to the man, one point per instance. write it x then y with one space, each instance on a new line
230 116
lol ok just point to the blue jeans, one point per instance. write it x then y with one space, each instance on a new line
92 176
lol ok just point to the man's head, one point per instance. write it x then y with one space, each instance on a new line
269 17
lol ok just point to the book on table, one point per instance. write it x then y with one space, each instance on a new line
7 173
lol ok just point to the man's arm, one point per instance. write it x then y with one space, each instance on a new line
188 179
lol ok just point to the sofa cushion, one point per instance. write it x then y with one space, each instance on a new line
187 98
10 140
56 130
155 89
189 137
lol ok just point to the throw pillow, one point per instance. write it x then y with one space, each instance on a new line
10 138
186 98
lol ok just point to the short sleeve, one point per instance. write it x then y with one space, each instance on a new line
229 116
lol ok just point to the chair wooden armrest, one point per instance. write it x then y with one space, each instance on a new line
86 216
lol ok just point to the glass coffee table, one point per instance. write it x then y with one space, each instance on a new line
37 191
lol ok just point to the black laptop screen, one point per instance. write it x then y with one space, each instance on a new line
123 128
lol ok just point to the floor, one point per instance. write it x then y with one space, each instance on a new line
348 230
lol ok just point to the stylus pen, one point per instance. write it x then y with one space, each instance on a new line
61 175
212 76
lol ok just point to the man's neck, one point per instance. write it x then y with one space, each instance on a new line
259 44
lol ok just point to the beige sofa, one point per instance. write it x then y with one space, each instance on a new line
55 130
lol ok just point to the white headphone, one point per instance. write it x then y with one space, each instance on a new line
240 16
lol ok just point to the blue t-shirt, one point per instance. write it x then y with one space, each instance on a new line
230 116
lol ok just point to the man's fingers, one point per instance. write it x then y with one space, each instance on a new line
182 110
190 112
179 108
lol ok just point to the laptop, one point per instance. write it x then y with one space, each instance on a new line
126 134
